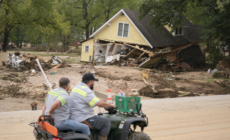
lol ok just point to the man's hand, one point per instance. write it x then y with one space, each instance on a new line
85 122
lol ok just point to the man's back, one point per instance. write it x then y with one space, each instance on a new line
82 102
63 112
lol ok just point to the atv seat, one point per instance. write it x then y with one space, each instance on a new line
68 131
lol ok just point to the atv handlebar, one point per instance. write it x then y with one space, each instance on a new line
111 110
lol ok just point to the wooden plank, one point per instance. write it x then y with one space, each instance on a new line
112 48
121 45
123 42
130 53
101 44
59 65
137 48
141 55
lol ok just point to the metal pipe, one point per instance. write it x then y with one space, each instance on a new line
37 60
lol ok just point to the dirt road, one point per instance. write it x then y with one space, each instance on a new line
191 118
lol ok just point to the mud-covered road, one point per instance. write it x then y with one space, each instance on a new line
191 118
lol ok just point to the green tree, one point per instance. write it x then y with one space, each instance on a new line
89 14
27 12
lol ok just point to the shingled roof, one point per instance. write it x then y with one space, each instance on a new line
157 39
164 38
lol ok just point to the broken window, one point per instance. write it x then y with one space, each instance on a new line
123 30
86 48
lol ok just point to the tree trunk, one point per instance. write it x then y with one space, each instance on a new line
64 42
5 40
87 31
85 7
20 46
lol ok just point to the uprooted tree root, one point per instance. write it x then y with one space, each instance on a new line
157 92
149 92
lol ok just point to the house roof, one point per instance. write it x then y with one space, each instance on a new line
160 39
164 38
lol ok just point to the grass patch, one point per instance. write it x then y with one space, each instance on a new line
73 61
70 60
209 80
213 80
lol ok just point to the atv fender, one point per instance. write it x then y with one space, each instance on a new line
125 131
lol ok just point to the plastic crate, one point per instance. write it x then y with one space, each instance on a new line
127 104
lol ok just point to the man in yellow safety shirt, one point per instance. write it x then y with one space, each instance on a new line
83 102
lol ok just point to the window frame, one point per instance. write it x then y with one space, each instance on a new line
122 29
177 29
85 48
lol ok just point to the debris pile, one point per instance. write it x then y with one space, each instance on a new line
171 58
223 83
121 54
177 58
28 62
15 77
24 90
222 69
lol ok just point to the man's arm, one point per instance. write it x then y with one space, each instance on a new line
44 108
102 99
104 104
54 106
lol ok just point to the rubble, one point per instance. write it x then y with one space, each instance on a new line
23 90
173 58
176 58
223 83
222 69
28 62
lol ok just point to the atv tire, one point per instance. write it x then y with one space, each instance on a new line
138 136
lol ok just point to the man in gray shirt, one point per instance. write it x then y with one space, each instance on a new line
83 102
58 106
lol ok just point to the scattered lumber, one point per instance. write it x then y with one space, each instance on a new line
59 65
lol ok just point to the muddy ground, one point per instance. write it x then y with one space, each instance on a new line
160 85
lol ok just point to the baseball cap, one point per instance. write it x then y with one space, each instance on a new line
89 76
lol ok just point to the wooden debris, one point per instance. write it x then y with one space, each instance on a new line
183 95
184 92
145 73
146 82
167 90
59 65
151 54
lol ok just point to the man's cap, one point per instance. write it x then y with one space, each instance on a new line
89 76
64 81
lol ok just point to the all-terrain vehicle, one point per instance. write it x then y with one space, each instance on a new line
124 119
